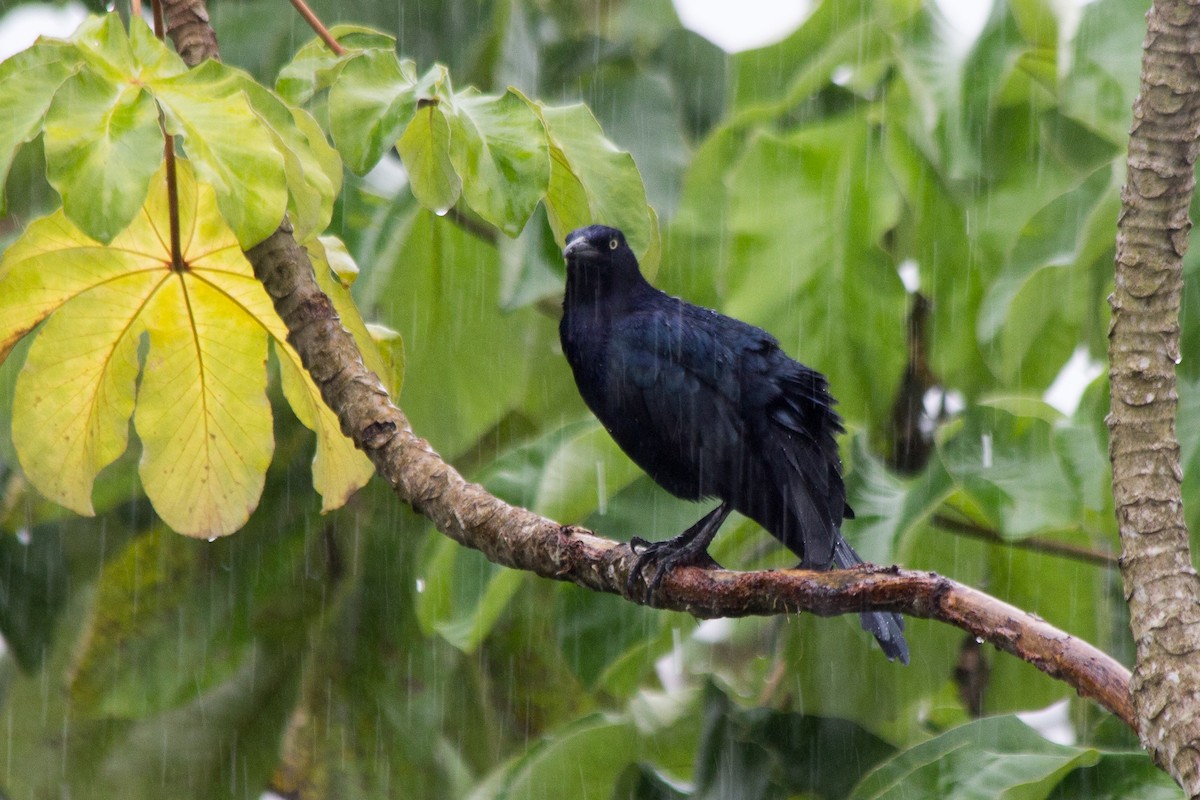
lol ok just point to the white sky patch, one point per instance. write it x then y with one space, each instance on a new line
20 27
910 274
1067 390
745 24
965 19
1052 722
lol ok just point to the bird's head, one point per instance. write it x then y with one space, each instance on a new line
600 260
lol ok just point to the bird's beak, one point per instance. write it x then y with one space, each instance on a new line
580 247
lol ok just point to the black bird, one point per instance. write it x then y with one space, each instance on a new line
709 407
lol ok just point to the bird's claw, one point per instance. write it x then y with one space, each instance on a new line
665 556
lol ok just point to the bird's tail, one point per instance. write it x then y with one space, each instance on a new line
885 626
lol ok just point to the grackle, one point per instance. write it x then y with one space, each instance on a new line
709 407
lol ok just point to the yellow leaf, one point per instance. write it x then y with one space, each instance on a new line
72 403
201 410
202 413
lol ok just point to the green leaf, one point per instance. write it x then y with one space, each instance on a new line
564 475
498 147
431 260
103 144
315 67
227 142
591 181
391 348
312 168
583 761
1118 776
28 82
425 150
887 508
998 757
1008 465
103 43
761 753
1106 61
1047 285
370 105
464 594
152 58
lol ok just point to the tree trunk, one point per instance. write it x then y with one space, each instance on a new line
1160 583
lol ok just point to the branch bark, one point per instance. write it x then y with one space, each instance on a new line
518 538
1160 583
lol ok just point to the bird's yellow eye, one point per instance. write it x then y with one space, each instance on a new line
612 244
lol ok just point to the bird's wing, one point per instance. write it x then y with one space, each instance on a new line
675 398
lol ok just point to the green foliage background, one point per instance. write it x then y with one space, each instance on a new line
359 654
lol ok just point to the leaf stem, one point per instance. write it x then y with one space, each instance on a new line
318 26
177 263
1036 544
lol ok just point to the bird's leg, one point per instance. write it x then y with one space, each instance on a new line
689 548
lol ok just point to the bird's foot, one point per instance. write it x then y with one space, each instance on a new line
685 550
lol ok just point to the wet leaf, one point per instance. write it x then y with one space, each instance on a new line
593 181
314 67
30 79
425 150
498 147
226 141
370 105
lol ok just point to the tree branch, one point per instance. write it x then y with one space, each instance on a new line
1160 583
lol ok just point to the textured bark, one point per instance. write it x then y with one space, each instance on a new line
1160 583
188 26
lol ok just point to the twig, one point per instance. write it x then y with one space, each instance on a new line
471 225
177 264
1033 543
318 26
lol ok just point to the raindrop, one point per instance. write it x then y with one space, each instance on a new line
212 539
986 442
420 585
23 536
842 75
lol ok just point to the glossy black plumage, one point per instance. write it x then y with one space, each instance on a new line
709 407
